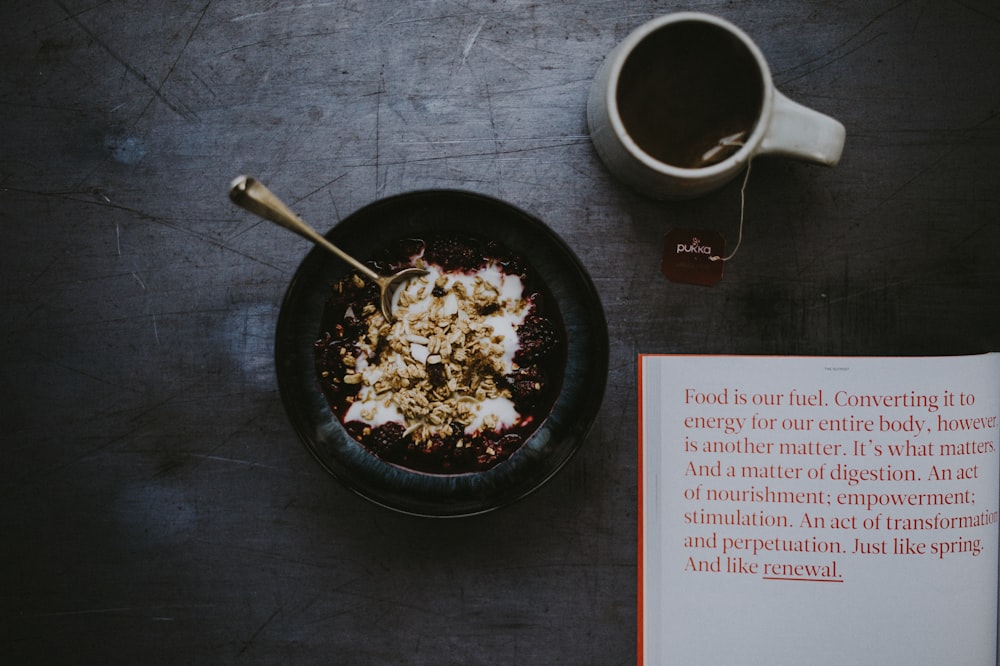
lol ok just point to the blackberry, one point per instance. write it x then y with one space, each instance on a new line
398 255
429 448
356 429
527 386
330 355
507 444
429 455
352 328
383 439
454 255
496 449
537 337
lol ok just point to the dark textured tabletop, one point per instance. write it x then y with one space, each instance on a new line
155 504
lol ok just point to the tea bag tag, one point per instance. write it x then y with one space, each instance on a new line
699 256
691 256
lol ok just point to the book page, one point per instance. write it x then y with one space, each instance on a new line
811 510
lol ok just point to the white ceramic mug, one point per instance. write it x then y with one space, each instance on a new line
689 77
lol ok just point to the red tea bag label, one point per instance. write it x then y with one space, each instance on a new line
693 256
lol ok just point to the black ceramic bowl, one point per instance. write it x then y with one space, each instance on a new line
414 215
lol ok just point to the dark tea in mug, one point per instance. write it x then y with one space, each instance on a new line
689 93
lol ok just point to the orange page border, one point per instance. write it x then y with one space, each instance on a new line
640 575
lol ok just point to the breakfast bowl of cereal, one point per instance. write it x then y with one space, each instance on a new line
481 384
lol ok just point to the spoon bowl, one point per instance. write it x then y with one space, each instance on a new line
250 194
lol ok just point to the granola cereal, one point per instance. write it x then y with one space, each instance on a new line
462 376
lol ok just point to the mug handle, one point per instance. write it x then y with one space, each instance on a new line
800 132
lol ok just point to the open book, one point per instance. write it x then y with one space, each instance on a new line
818 510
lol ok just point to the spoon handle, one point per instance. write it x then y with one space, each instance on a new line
253 195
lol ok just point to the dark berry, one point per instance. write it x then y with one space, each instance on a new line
331 354
453 254
384 438
508 444
437 374
537 338
527 386
397 256
526 393
356 429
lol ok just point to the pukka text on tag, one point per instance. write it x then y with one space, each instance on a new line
691 256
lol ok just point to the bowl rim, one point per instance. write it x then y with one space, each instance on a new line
543 454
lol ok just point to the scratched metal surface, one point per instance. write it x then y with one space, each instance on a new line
154 503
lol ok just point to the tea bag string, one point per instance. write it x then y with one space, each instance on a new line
743 199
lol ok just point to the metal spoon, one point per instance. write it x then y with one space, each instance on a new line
251 194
